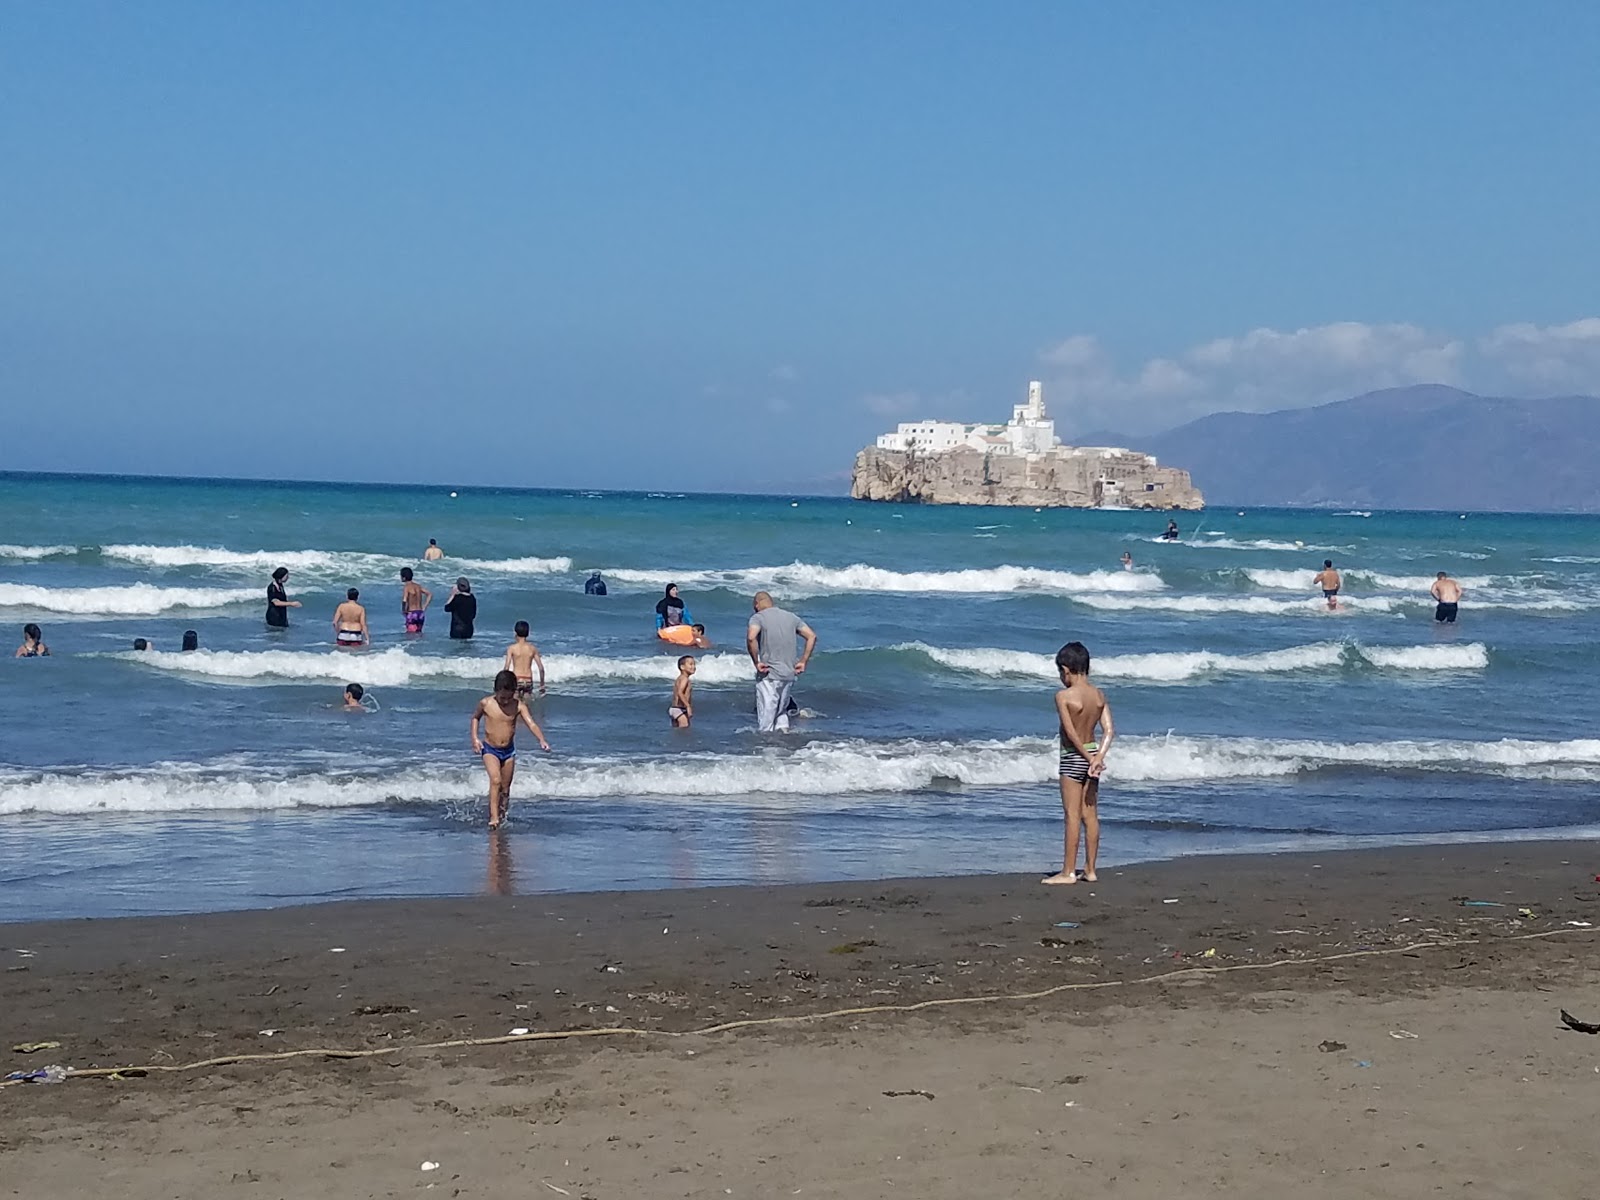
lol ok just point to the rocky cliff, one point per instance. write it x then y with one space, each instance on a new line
1069 480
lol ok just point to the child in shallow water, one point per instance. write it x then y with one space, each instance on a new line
681 711
498 747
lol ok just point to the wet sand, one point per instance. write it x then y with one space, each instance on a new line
1289 1074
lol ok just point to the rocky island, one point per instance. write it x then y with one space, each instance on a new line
1019 463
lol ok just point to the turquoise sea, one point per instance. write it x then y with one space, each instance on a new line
1249 717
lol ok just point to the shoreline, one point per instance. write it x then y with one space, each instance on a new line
201 985
1334 1023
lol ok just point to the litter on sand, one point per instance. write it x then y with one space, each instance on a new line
1211 953
912 1092
1331 1047
1363 1063
1067 924
1526 912
1581 924
54 1073
1402 1035
429 1166
1481 904
519 1031
1172 901
35 1047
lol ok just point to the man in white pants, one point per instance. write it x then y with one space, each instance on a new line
771 642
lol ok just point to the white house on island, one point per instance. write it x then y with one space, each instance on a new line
1030 432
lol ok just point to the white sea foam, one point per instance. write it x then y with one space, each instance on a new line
1578 559
32 553
526 565
799 578
1178 666
781 777
1300 581
1175 759
1252 605
1228 543
396 667
1461 656
356 563
134 599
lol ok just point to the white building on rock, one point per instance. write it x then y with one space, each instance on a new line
1030 432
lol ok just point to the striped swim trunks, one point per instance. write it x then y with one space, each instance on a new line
1075 766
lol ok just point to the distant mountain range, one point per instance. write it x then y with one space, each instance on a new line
1428 447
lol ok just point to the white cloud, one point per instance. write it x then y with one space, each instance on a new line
1267 369
891 404
1547 357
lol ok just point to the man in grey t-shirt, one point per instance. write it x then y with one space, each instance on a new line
771 642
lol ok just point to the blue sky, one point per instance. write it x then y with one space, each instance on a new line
723 245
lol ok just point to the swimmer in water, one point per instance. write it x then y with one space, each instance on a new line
432 553
497 747
701 641
1127 561
350 622
353 692
1170 534
32 643
594 585
1328 580
414 601
681 710
522 657
1080 707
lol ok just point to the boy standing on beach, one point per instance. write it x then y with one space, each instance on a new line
682 710
497 747
522 656
1080 707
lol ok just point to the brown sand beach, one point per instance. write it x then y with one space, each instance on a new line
1338 1024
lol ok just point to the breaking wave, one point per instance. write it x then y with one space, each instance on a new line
33 553
1300 581
787 778
134 599
1253 605
359 564
799 578
1175 667
395 667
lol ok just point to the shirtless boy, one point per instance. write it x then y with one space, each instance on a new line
1328 580
1080 707
522 657
497 747
682 710
701 641
353 694
414 601
350 622
1447 592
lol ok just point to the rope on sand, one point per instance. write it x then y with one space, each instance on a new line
800 1019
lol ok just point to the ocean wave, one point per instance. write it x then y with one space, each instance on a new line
1178 666
396 667
1252 605
806 775
355 563
135 599
800 578
526 565
33 553
1228 543
1300 581
784 776
1176 759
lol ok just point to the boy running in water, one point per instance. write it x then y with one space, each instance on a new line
1080 707
522 656
682 710
497 747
